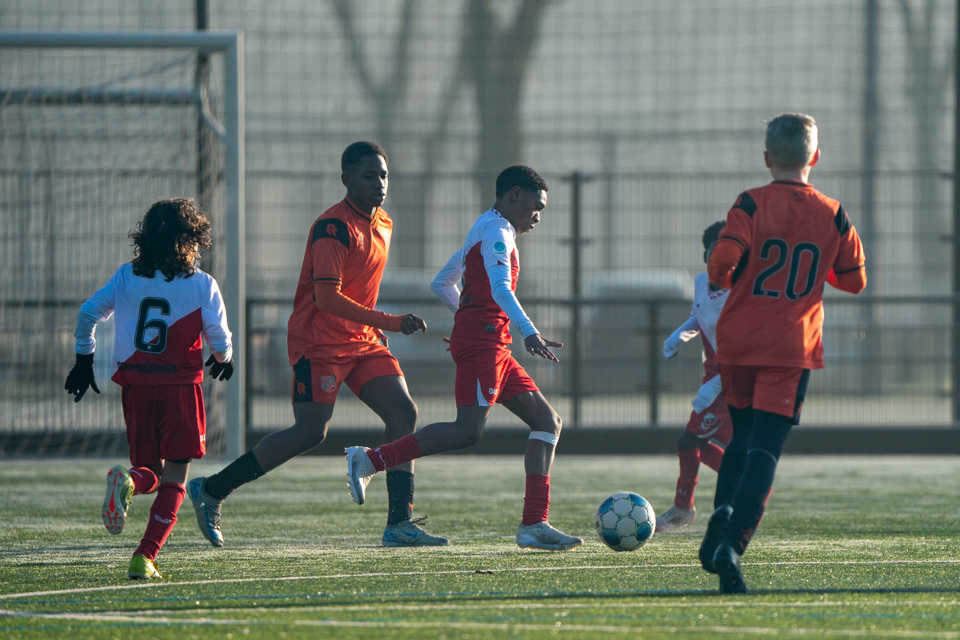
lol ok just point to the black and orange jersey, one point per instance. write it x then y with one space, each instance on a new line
346 247
786 239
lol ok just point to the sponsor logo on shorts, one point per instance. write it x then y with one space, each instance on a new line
147 368
163 520
203 438
490 328
301 389
492 391
328 383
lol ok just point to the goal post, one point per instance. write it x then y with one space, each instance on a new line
230 133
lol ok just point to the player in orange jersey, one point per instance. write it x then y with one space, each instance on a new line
782 242
334 336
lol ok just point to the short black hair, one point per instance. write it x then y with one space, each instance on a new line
519 176
712 233
357 151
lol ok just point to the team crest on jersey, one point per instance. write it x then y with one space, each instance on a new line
328 383
709 420
500 248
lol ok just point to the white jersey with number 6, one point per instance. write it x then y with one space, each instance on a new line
156 338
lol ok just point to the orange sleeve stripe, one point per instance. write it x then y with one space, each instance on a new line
726 254
330 300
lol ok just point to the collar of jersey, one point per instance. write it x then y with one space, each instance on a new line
796 183
360 213
500 215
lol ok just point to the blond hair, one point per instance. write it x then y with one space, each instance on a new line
791 139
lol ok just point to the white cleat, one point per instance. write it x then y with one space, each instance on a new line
675 518
408 534
543 536
359 472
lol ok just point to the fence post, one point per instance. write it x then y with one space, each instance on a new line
955 342
576 203
653 364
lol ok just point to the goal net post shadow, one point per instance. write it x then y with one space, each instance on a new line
95 127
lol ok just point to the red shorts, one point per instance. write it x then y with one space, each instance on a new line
779 390
714 423
319 379
487 373
165 422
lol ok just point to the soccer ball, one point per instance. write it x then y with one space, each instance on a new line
625 521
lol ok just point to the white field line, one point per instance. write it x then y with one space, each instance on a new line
137 619
688 604
340 576
502 626
559 626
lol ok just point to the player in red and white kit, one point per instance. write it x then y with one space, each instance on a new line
488 264
782 243
709 420
163 303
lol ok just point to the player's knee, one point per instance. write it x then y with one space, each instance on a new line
552 424
312 433
688 441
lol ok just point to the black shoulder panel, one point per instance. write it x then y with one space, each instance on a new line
738 271
746 204
331 228
842 220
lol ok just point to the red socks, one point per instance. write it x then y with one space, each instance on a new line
397 452
689 468
163 515
144 480
536 500
711 455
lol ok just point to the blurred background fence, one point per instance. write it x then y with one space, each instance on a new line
646 119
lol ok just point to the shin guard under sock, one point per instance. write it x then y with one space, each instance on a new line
144 480
687 483
244 469
397 452
399 496
163 515
711 455
536 499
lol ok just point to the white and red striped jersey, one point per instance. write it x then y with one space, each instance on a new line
487 266
156 336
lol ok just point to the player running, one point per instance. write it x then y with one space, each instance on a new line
781 244
709 419
334 336
488 265
163 303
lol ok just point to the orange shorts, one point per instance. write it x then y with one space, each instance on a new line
779 390
164 422
319 379
487 373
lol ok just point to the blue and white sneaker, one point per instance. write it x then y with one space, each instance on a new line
408 534
208 511
359 472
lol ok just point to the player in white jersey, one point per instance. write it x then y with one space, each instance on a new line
163 303
488 265
710 420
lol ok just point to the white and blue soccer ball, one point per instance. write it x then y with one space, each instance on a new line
625 521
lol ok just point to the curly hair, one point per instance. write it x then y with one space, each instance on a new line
169 238
712 233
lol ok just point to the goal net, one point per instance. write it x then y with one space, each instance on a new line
89 138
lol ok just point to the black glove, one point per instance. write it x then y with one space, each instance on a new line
219 370
81 377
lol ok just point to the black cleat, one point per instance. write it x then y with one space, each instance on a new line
716 529
726 561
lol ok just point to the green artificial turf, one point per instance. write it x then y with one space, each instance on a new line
849 547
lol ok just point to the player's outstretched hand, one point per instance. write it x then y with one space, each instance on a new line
219 370
670 347
412 323
81 377
447 340
536 345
